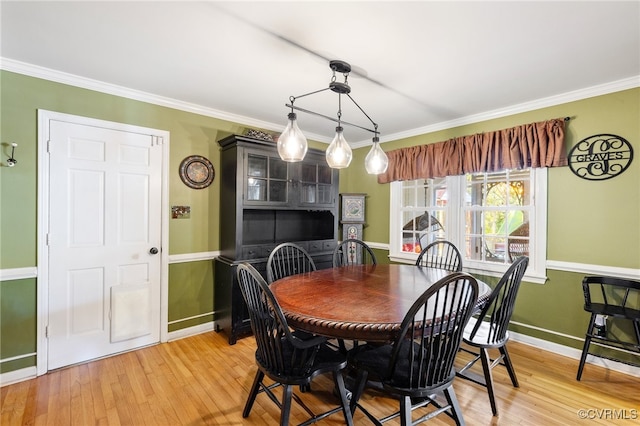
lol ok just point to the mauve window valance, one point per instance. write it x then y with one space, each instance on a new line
530 145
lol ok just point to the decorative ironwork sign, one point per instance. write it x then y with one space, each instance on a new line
600 157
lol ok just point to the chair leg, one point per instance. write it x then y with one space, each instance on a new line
456 411
405 411
287 393
585 348
338 380
361 381
488 378
509 365
255 388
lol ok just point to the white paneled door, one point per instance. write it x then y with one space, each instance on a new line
105 195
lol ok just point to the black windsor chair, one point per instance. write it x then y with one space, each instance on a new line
490 330
283 357
440 254
418 365
353 252
288 259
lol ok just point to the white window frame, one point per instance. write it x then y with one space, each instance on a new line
456 185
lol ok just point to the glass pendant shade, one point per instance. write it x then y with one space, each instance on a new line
339 152
292 144
376 161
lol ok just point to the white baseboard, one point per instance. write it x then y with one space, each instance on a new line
30 372
18 376
191 331
575 354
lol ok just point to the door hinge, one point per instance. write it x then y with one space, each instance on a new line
49 146
47 239
46 331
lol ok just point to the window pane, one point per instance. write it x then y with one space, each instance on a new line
409 197
256 189
494 209
277 191
257 166
324 174
277 169
308 172
324 194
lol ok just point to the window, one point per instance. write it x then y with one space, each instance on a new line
491 217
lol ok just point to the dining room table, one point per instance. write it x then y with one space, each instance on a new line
357 302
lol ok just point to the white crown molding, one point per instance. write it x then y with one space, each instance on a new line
576 95
125 92
112 89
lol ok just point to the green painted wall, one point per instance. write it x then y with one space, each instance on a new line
190 294
190 284
17 323
589 222
612 238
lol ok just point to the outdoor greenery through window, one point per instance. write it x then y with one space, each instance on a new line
491 217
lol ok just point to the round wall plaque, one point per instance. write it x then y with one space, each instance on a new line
196 172
600 157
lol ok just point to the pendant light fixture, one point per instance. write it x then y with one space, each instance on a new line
292 144
376 161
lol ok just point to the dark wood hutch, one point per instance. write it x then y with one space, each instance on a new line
265 201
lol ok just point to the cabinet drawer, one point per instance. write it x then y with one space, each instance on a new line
252 252
318 246
315 246
329 245
267 249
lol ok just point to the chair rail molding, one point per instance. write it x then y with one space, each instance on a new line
585 268
193 257
18 273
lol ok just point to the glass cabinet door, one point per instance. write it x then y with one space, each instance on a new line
316 184
266 180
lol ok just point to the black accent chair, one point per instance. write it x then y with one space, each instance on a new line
490 330
353 252
418 365
283 357
615 298
441 254
288 259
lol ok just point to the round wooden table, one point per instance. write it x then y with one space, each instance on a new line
362 302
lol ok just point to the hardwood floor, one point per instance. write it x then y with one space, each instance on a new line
201 380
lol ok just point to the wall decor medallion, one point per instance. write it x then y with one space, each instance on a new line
196 172
600 157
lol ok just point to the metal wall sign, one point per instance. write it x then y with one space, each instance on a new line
600 157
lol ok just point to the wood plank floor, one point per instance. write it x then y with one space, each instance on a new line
201 380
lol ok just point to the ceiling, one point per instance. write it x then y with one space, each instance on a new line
416 66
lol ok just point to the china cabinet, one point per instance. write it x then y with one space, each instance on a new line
265 201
